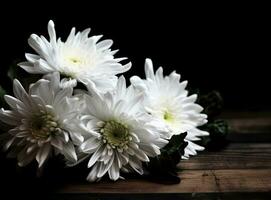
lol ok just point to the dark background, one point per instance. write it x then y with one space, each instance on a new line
222 47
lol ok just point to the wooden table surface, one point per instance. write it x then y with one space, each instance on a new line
242 170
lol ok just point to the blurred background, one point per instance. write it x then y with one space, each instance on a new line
221 47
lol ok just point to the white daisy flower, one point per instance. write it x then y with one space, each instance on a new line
167 100
118 136
80 58
39 121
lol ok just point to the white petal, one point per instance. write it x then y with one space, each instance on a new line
105 44
113 172
27 159
149 69
42 154
9 117
95 156
90 145
105 168
9 143
69 152
68 83
31 148
151 150
92 176
57 143
141 155
51 31
136 165
13 102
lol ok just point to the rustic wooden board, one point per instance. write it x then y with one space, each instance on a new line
234 156
239 168
193 181
163 196
242 170
248 126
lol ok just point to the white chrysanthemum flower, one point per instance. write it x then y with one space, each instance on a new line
39 121
118 135
167 100
80 58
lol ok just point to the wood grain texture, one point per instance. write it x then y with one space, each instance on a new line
234 156
193 181
240 167
248 126
164 196
241 170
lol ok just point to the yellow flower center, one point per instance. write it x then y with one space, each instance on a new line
168 116
43 125
75 60
115 135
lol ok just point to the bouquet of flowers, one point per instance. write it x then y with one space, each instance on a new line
80 109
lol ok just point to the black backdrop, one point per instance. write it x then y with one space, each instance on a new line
222 47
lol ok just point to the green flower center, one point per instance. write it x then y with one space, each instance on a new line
115 135
43 125
168 116
74 60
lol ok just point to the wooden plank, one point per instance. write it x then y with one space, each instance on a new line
248 126
193 181
245 180
239 171
233 114
162 196
234 156
240 167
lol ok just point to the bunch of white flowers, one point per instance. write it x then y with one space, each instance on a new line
115 126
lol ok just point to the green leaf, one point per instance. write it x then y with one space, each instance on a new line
16 72
163 168
3 127
175 144
2 94
212 104
218 130
12 71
